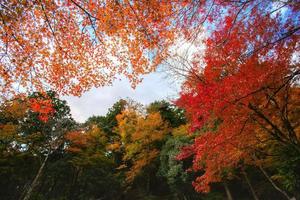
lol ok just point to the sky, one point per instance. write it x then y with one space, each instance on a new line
97 101
155 86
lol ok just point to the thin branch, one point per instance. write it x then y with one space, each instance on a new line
84 10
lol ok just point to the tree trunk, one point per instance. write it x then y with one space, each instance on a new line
228 193
72 192
35 180
148 184
250 185
274 184
184 197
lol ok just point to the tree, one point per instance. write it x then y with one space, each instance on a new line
47 119
32 130
169 112
108 124
15 170
93 168
109 121
141 138
247 86
11 114
175 171
71 46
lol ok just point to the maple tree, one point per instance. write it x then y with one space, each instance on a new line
70 46
43 106
246 86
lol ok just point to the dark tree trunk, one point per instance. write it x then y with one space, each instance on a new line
274 184
227 190
250 185
36 179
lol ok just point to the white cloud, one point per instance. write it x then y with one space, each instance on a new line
97 101
155 86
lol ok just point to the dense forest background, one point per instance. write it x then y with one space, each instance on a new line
130 153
